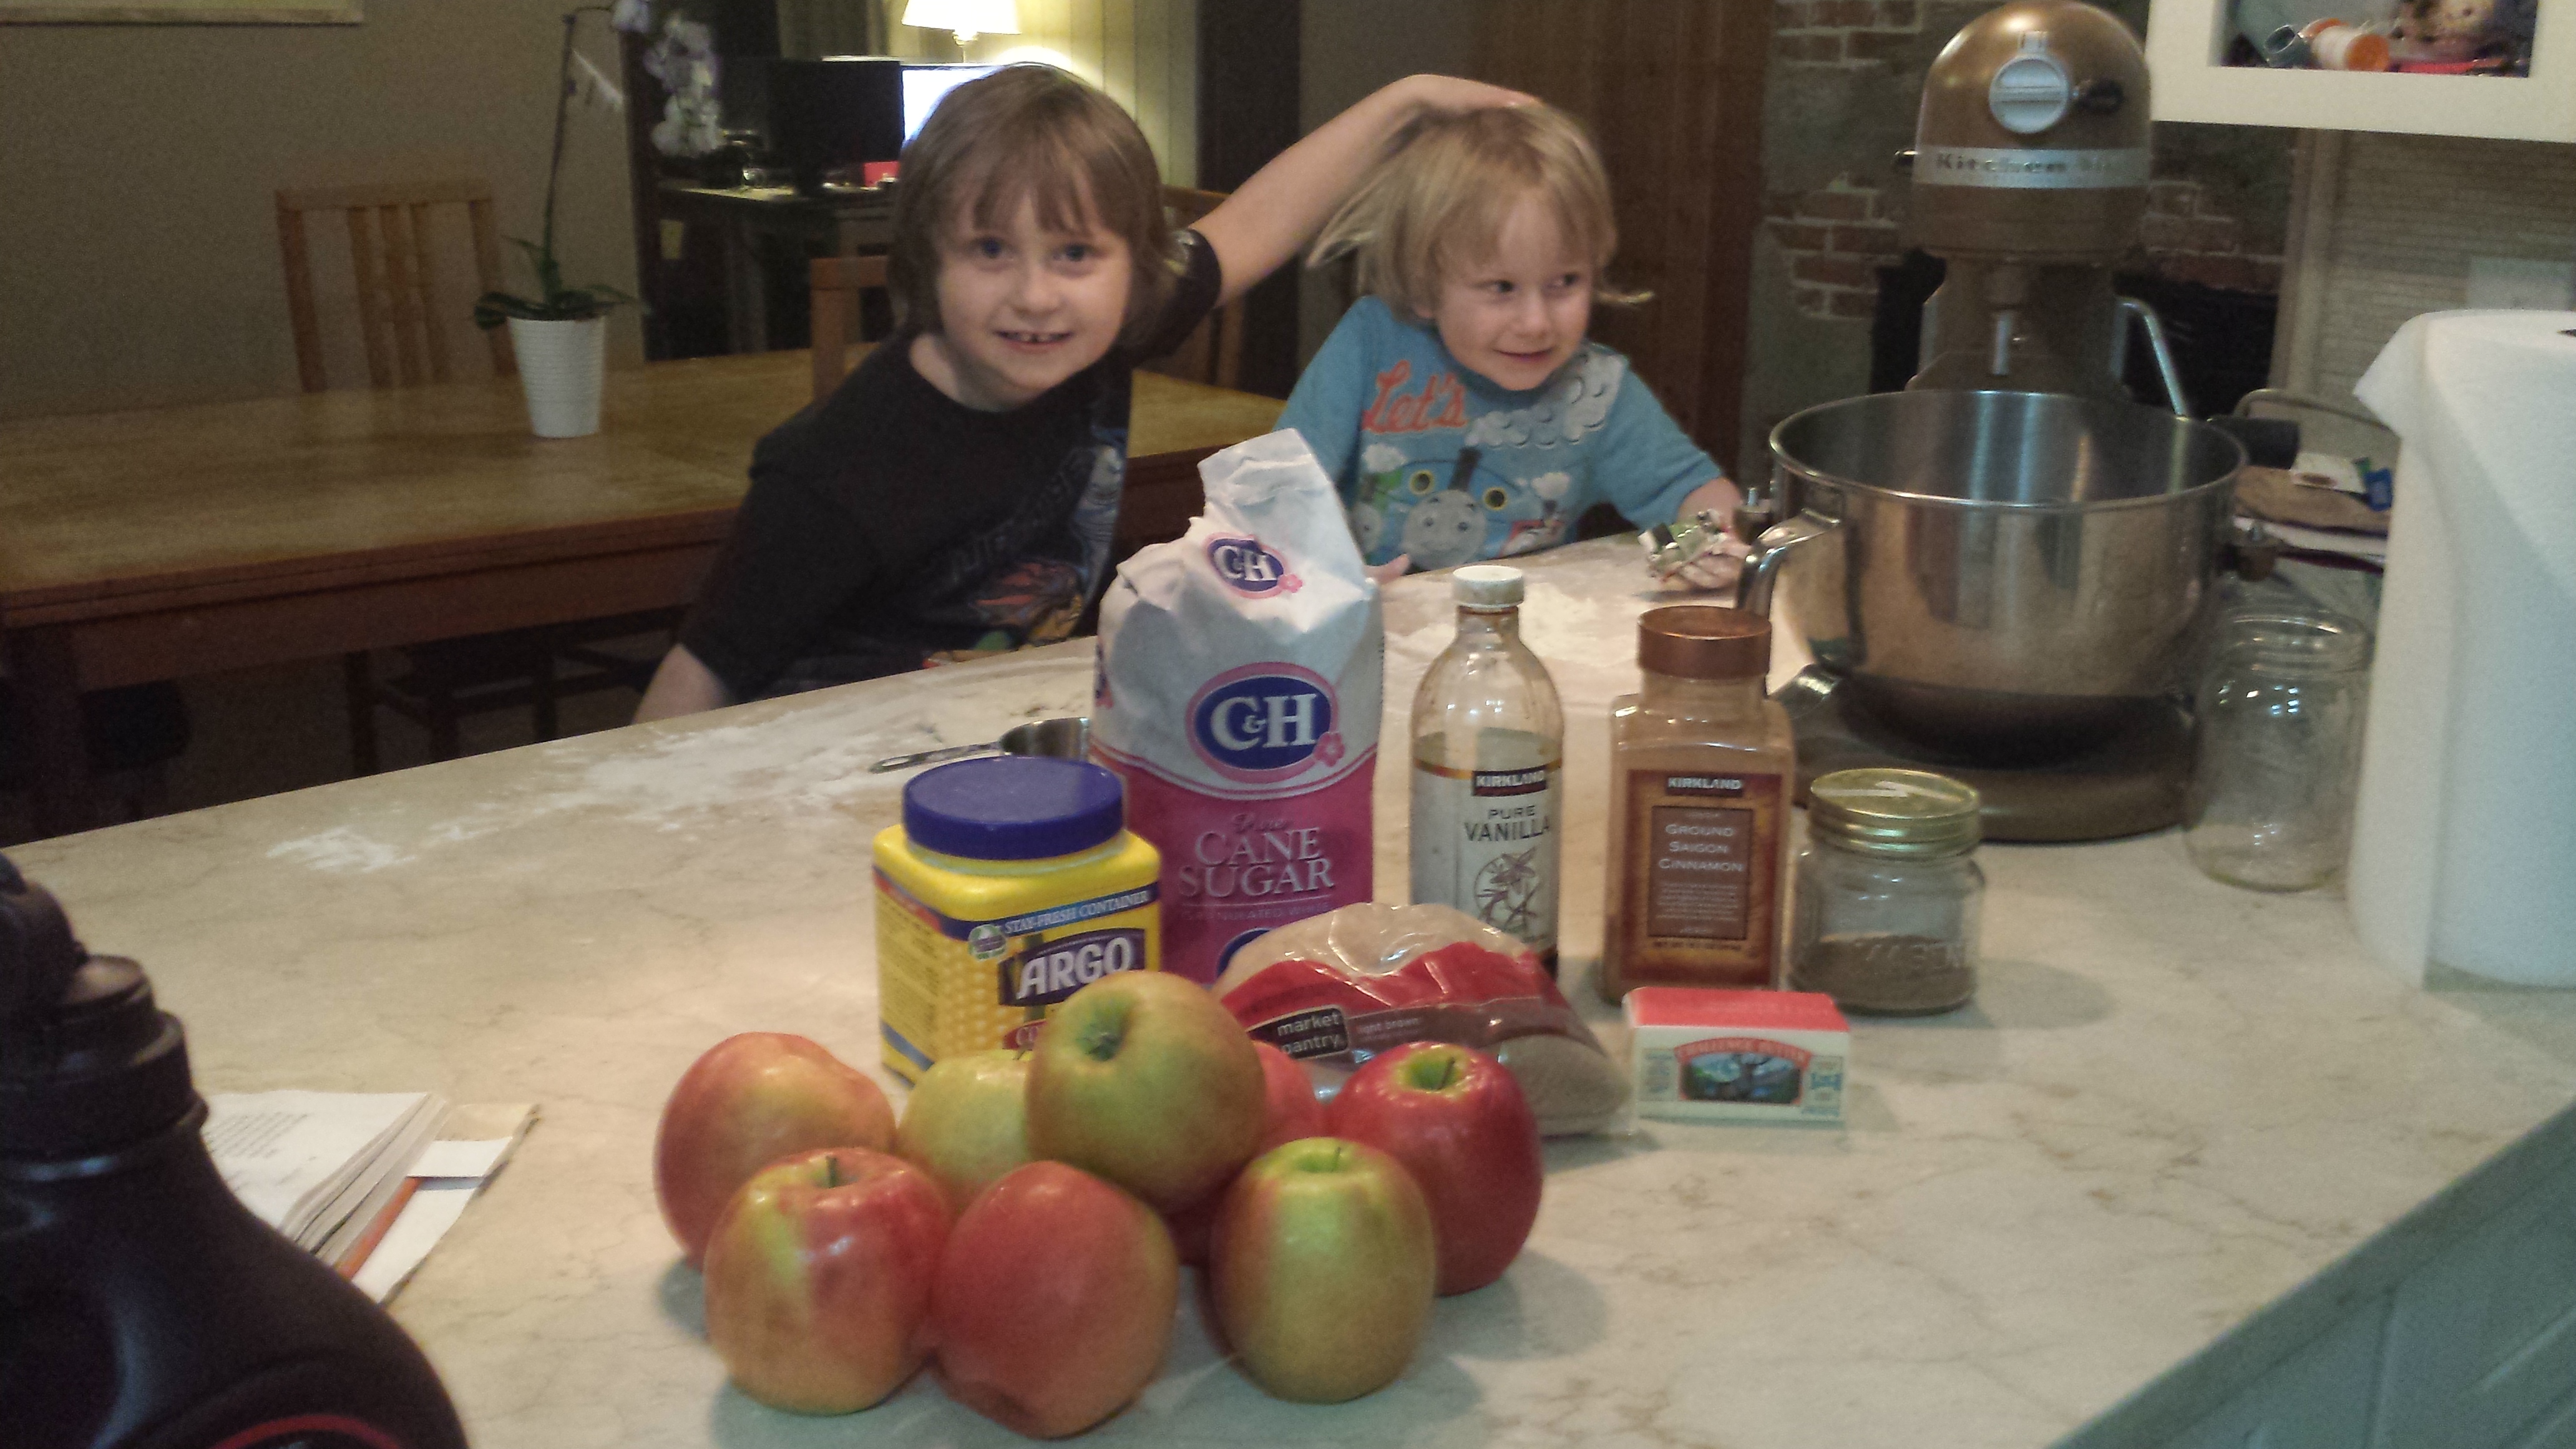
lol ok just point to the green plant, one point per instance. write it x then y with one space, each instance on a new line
554 301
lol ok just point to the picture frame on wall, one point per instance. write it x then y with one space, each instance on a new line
2369 65
180 12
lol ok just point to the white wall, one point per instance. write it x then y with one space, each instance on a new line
138 241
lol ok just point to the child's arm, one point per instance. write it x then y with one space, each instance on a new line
681 686
1658 475
1281 206
1718 495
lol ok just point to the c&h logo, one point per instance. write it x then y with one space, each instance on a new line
1265 722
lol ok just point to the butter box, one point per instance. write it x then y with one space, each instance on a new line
1742 1056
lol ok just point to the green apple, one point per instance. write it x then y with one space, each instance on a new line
1144 1079
1322 1266
966 1122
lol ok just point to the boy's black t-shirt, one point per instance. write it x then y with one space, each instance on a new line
890 526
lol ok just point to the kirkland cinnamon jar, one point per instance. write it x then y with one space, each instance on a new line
1702 769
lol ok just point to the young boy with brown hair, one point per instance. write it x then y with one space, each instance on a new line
957 494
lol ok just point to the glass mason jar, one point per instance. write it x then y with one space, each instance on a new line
1888 893
2279 747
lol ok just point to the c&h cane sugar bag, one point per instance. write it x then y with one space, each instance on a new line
1237 695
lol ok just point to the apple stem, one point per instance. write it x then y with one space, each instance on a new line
831 1172
1434 1071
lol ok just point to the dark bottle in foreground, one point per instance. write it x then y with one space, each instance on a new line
141 1305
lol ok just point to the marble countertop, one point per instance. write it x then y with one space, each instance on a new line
2172 1103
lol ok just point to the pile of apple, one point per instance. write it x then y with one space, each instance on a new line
1024 1226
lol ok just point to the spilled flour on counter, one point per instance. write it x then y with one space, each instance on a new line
1566 628
339 851
789 768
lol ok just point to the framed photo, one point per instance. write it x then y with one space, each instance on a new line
179 12
2497 68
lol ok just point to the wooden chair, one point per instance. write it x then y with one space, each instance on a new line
405 323
1213 352
401 318
836 285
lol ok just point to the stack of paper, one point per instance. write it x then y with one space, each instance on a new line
318 1166
368 1182
2317 509
472 1144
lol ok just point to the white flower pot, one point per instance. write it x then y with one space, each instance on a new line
561 365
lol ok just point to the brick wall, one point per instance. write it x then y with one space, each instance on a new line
1844 32
2187 238
1835 237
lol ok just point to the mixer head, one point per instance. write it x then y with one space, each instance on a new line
2030 178
2032 141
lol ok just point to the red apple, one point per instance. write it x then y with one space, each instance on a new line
1054 1301
1292 1113
818 1279
1144 1079
966 1121
1457 1121
1322 1269
1290 1095
751 1100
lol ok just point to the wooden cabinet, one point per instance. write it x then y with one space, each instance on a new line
2185 39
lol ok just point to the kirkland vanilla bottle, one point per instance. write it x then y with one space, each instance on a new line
1488 769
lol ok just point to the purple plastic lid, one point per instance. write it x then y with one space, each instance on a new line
1013 807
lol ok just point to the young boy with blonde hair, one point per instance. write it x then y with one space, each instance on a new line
957 494
1459 404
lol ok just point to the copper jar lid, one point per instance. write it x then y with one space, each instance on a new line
1704 641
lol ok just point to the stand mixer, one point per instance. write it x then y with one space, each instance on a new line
2030 169
2007 572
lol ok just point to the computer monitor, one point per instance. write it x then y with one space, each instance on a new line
925 84
836 113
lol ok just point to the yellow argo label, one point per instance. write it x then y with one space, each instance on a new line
973 955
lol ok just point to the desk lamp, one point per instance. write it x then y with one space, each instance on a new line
965 18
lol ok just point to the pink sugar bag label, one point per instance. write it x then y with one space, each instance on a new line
1237 696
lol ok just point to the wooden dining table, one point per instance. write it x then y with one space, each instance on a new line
162 544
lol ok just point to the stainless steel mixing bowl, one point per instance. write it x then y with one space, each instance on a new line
1998 574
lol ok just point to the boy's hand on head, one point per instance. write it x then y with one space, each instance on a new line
1457 93
1271 215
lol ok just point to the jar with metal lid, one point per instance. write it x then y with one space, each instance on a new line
1888 892
1012 883
1702 767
